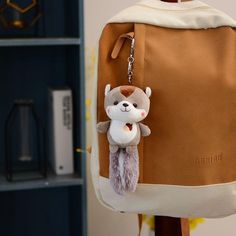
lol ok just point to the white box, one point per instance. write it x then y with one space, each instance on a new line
60 130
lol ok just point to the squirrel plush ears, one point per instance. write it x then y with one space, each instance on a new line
147 91
107 89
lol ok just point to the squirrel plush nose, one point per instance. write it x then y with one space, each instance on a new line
125 104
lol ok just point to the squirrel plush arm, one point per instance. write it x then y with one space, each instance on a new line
145 131
102 127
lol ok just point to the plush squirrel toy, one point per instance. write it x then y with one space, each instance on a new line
126 106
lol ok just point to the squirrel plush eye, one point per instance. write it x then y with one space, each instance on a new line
116 102
135 105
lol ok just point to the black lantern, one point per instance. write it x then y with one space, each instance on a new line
24 137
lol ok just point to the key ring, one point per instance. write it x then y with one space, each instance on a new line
131 60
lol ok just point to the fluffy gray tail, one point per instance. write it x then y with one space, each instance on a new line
124 171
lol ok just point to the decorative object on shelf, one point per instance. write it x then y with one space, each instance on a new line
19 15
61 130
24 139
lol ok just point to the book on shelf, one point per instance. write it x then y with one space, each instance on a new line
61 130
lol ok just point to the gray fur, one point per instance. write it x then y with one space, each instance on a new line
130 172
114 173
102 127
145 131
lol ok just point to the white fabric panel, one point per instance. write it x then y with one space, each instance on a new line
184 15
210 201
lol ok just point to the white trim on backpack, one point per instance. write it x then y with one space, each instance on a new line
184 15
211 201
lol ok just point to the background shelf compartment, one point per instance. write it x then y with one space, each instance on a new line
47 212
27 78
59 18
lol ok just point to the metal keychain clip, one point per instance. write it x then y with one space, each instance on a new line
131 60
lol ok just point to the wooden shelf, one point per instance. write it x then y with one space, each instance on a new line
10 42
51 181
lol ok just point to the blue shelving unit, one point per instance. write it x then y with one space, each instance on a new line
29 65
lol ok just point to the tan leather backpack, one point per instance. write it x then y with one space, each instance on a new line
185 52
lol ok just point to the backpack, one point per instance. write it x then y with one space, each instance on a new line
186 53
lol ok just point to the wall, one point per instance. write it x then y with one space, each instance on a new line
103 222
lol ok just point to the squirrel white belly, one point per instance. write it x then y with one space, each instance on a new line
126 106
122 132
